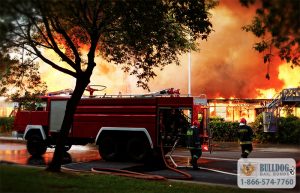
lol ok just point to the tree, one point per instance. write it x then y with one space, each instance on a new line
277 24
20 81
137 35
5 62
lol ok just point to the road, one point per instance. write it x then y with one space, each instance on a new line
220 167
17 153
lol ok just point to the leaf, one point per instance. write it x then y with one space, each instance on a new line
278 19
261 46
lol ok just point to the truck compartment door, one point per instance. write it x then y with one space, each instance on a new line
57 113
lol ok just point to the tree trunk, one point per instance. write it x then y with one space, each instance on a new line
82 80
72 103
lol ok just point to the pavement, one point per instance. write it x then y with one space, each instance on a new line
12 139
221 146
217 146
218 168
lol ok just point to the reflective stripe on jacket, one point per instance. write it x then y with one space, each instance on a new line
245 142
193 138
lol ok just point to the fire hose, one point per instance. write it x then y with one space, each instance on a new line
186 176
127 173
116 172
138 175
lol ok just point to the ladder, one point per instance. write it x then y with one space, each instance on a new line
289 97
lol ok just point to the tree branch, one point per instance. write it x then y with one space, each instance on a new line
40 55
42 33
64 70
57 27
42 45
86 12
55 46
33 21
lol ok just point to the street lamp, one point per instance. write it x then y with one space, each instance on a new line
189 73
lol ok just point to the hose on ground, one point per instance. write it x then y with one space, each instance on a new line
127 173
186 176
138 175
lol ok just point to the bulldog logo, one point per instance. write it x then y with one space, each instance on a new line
248 169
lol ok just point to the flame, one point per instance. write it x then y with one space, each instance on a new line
290 76
266 93
105 73
226 67
55 79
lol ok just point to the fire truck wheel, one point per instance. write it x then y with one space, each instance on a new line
36 146
108 148
137 149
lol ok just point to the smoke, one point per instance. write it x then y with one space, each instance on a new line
227 65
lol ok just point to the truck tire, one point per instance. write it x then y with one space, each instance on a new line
108 148
137 149
36 146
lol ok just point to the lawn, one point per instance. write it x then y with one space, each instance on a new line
15 179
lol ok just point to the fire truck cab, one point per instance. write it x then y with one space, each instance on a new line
131 127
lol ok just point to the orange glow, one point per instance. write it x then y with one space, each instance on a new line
55 79
225 67
105 73
267 93
289 76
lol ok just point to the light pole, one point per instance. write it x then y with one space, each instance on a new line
189 74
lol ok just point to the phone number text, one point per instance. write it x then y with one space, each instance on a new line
267 182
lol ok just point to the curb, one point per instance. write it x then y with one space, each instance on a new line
12 140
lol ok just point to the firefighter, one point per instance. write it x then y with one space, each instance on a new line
194 144
245 134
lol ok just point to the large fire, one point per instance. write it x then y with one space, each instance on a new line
289 76
226 66
266 93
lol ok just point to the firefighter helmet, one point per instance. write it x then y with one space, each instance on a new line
243 120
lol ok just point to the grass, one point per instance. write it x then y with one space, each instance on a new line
14 179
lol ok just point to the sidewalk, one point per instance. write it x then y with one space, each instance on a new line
217 146
221 146
12 139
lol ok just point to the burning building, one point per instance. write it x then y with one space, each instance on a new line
284 103
233 109
226 68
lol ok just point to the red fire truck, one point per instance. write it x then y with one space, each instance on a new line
123 126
